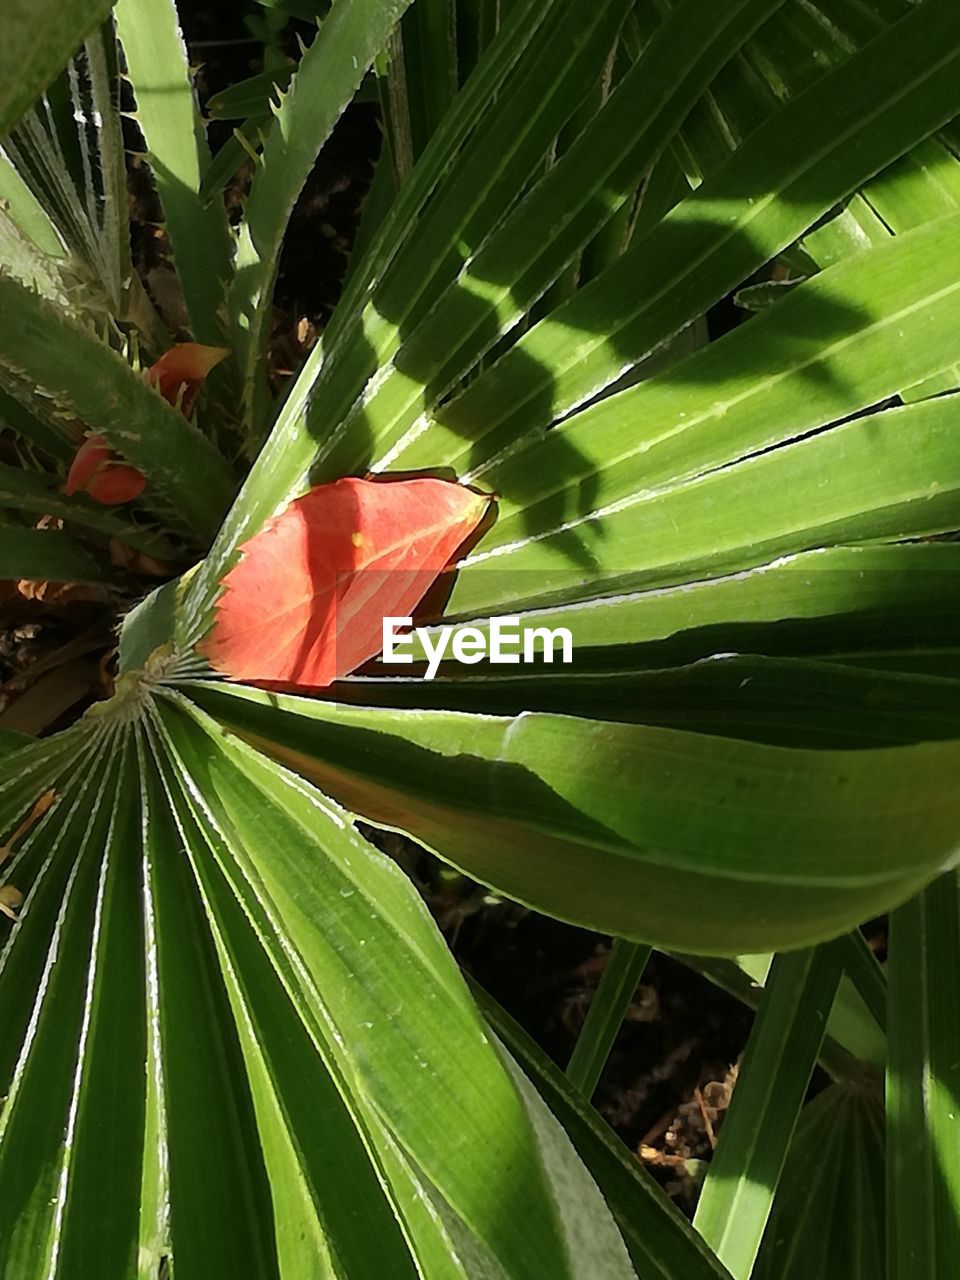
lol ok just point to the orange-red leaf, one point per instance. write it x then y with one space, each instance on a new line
179 372
98 471
306 602
92 454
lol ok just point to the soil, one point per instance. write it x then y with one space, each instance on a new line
321 231
668 1078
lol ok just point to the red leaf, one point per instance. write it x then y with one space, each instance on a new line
97 471
92 454
306 602
116 483
183 369
100 472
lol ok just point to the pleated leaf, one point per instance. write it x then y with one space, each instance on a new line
828 1215
192 910
610 825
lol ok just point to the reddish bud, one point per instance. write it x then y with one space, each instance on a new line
91 456
97 472
179 373
116 483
